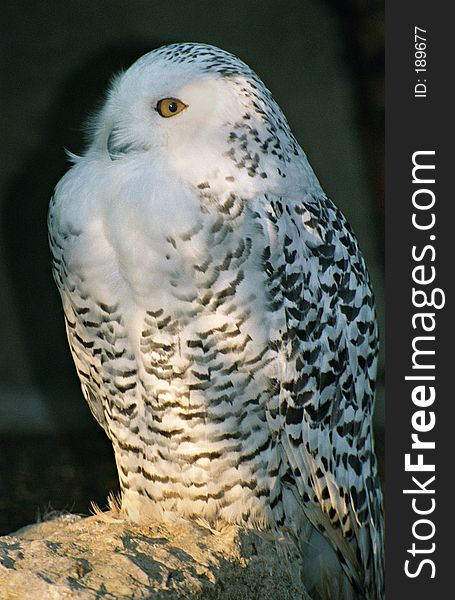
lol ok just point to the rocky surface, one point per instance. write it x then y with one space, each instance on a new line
105 558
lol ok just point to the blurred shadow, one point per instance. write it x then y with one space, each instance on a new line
27 254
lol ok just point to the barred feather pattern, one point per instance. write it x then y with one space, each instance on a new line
221 320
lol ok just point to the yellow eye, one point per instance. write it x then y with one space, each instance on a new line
169 107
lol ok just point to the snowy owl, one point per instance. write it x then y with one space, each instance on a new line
220 316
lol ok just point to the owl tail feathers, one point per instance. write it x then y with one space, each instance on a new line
323 574
327 584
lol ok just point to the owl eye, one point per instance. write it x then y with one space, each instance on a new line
169 107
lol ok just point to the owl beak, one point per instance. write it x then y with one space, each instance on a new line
118 148
114 149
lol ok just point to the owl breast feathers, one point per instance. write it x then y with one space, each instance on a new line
220 316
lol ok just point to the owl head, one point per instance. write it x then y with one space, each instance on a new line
202 113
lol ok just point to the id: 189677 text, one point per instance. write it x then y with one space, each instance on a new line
420 62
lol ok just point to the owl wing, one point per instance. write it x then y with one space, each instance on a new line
77 312
327 347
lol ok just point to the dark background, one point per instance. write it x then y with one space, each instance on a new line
322 60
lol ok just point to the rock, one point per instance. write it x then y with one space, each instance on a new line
103 557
